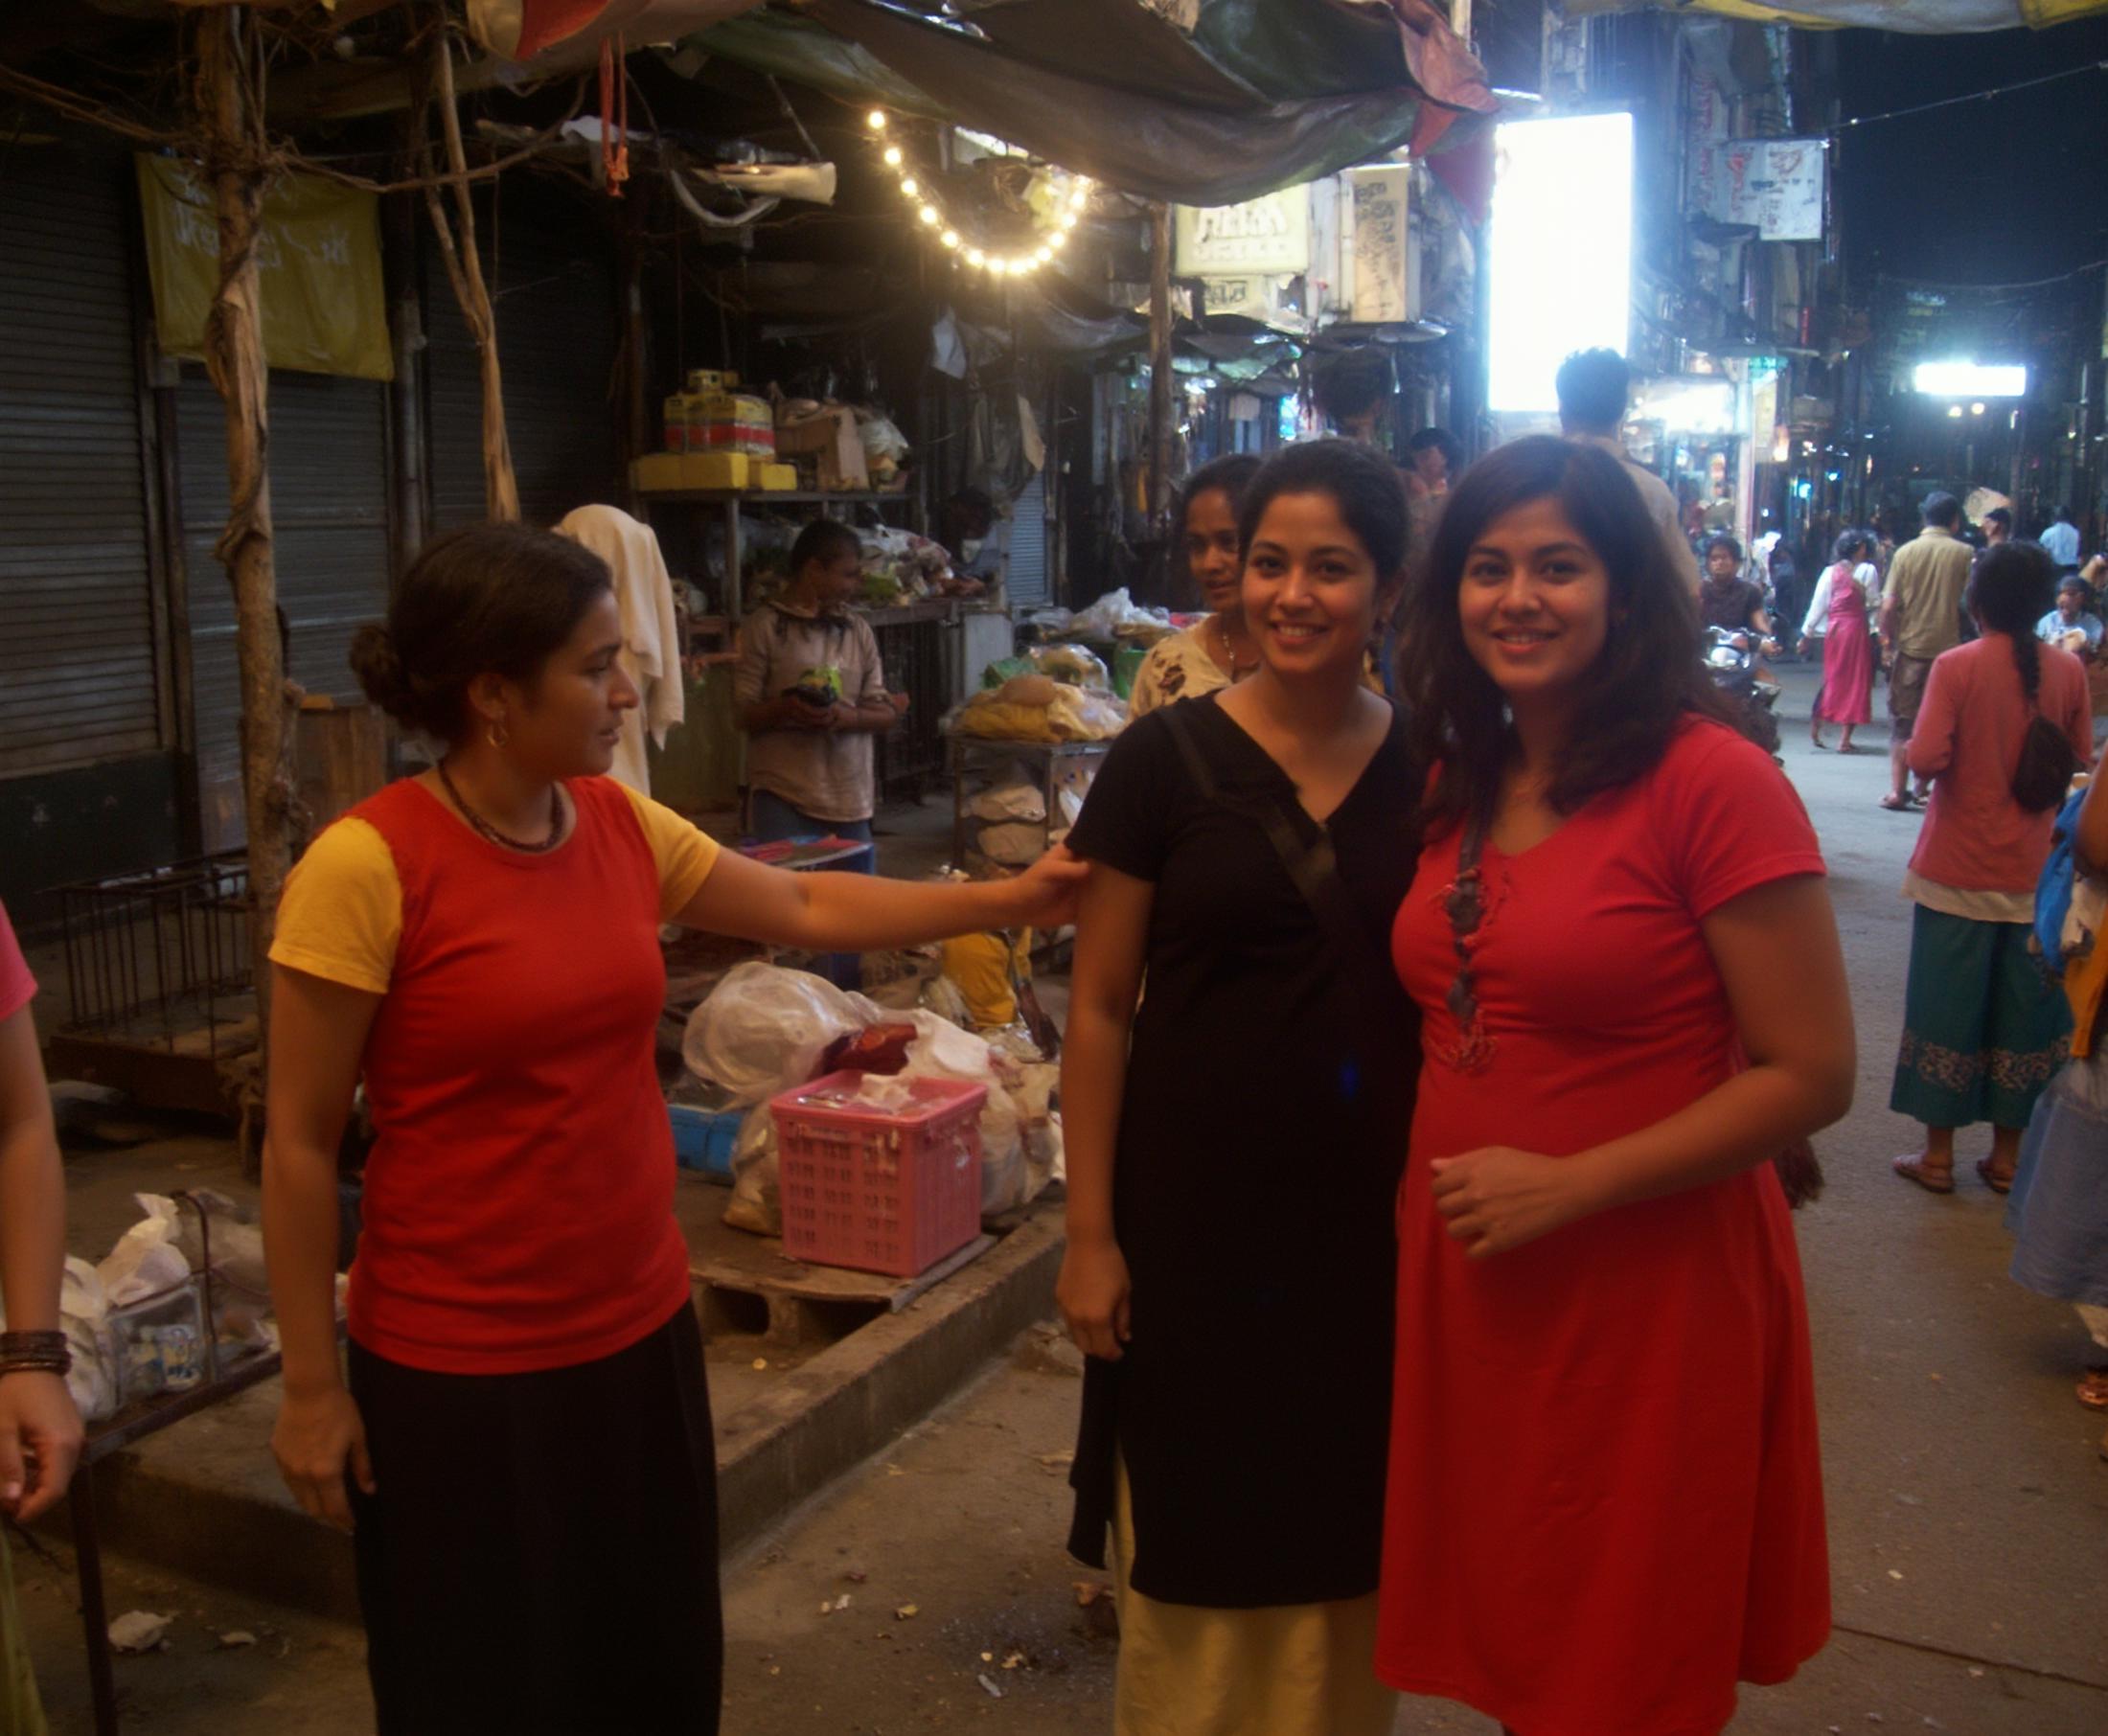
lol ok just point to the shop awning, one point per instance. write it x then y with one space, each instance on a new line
1910 17
1259 96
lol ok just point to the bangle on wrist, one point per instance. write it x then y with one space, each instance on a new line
34 1353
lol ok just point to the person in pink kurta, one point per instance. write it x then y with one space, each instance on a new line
1838 611
1982 1030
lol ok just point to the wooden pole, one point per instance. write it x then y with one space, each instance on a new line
230 108
457 245
1157 493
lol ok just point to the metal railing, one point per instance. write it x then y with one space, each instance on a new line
160 956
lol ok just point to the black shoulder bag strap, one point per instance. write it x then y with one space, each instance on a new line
1313 867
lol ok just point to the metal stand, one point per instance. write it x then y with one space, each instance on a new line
130 1424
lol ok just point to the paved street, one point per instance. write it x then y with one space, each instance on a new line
1968 1509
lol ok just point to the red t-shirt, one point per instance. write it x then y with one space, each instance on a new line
18 987
518 1200
1605 1500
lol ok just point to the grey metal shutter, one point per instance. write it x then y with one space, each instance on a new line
79 677
1025 581
553 283
329 509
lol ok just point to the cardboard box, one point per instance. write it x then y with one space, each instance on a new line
832 439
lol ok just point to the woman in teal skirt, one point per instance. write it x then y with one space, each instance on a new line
1984 1030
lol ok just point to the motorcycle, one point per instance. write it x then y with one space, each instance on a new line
1735 662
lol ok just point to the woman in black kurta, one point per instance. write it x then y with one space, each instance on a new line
1261 1134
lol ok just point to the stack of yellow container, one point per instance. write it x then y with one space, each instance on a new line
716 436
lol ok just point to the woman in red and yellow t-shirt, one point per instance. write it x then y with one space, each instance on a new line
524 1448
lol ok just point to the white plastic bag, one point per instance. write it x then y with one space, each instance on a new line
757 1200
145 1260
1016 800
941 1050
764 1029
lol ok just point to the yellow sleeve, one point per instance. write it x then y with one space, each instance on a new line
340 916
684 852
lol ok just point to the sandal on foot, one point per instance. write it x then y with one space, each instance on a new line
1932 1181
1999 1182
1896 804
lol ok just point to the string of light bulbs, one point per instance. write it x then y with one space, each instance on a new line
1018 263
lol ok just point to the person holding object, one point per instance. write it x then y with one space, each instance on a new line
1230 1246
1982 1031
524 1448
1605 1499
2071 624
1838 615
812 694
40 1432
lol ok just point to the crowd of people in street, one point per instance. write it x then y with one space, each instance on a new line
1564 1383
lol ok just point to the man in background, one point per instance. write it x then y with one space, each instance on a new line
2061 540
1594 387
1920 618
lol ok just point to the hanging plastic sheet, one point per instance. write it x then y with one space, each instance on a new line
1910 17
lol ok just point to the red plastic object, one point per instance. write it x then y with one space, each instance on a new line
877 1191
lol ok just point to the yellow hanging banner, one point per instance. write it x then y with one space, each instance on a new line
319 260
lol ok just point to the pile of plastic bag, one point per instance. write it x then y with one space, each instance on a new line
1078 665
135 1323
765 1030
1037 708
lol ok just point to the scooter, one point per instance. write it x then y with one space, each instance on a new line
1735 662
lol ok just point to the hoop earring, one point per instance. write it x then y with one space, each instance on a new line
497 733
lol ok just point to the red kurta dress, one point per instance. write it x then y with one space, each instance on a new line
1605 1502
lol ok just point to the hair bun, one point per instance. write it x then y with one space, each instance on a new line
377 663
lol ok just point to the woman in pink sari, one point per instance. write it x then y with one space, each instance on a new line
1837 615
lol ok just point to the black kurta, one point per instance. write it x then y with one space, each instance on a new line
1262 1135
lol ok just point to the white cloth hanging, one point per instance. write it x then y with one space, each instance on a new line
650 638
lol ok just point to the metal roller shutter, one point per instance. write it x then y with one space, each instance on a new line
80 675
553 283
1024 579
330 509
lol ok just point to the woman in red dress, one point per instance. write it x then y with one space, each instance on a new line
1605 1504
1836 614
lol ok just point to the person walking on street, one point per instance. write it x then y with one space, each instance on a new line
2060 537
1920 619
1838 616
1997 526
1982 1030
1605 1502
1594 387
523 1450
1249 850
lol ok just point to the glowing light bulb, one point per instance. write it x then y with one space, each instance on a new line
892 156
949 238
999 268
1056 242
975 256
1044 254
909 186
875 120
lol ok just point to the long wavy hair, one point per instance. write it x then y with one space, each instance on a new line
1642 683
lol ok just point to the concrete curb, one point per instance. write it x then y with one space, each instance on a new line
205 1497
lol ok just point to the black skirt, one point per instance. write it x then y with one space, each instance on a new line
540 1555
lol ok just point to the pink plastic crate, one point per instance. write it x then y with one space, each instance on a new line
875 1191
